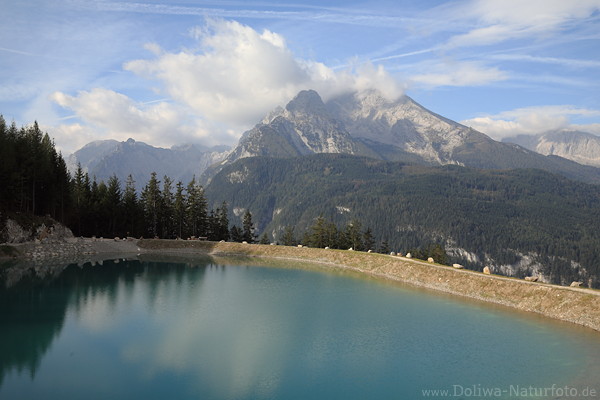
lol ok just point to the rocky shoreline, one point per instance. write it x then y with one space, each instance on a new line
576 305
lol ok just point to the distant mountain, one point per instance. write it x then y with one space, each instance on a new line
370 125
581 147
102 159
518 222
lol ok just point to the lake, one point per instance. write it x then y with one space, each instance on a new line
206 329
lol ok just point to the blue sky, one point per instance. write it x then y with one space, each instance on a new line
204 71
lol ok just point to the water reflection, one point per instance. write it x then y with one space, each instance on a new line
145 329
34 303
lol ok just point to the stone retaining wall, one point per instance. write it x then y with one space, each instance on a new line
43 250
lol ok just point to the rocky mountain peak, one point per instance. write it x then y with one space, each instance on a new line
581 147
369 124
307 102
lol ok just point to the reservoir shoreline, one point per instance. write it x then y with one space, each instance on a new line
576 305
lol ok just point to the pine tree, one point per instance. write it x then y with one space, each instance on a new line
332 236
288 238
384 248
151 202
368 241
112 205
236 234
318 233
352 235
264 239
167 209
196 209
179 206
248 228
81 192
221 215
131 208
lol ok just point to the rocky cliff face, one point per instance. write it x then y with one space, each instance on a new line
403 124
49 231
581 147
304 126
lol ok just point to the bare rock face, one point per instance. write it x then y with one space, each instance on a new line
581 147
15 233
54 232
401 123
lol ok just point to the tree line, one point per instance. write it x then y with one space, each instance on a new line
33 175
163 209
324 233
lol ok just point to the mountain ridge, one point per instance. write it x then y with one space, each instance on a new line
102 159
368 124
581 147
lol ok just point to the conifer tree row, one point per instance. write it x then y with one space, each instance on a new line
33 176
323 233
161 210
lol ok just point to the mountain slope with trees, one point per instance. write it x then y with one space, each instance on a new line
518 221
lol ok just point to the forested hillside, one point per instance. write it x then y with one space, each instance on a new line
517 221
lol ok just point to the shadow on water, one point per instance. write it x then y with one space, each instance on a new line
34 301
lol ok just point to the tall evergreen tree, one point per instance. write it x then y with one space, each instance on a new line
113 205
196 209
81 193
179 210
318 233
223 222
288 238
131 208
236 234
151 202
368 241
264 239
384 248
167 224
352 235
248 228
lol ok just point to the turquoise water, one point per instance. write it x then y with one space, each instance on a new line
139 330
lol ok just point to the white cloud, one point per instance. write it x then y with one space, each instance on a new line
464 73
500 20
110 115
566 62
238 74
533 120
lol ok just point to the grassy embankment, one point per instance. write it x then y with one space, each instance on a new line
579 306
